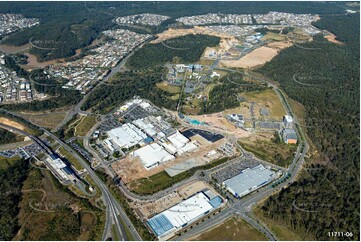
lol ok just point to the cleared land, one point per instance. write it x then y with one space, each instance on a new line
257 57
332 38
14 124
162 180
232 230
168 88
85 125
266 99
267 147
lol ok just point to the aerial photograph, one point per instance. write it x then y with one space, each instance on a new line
180 121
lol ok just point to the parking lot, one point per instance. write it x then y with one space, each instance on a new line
269 125
233 169
227 149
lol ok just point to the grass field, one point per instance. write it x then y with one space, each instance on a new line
70 158
264 146
168 88
268 99
232 230
7 162
62 215
85 125
274 36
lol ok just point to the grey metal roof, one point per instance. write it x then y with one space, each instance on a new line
248 179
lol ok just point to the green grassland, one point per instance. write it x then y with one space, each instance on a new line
270 148
232 230
7 162
61 215
85 125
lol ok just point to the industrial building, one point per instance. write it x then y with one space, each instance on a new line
249 180
289 136
165 224
152 155
237 119
125 136
178 144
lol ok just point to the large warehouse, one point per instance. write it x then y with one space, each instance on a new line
152 155
183 213
249 180
127 136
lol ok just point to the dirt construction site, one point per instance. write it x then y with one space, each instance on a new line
131 169
258 56
148 209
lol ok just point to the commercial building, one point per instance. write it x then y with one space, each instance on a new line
165 224
152 155
59 169
249 180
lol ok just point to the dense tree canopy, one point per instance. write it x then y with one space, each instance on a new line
325 79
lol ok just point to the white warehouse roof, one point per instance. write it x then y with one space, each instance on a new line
153 154
249 180
288 118
126 136
178 140
188 210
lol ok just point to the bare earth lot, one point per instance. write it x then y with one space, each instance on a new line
257 57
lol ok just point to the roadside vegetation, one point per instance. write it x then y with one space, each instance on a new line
85 125
234 229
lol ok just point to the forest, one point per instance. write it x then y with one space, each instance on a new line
124 86
188 48
328 87
11 180
225 96
7 137
68 26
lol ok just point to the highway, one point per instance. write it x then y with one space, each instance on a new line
114 211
